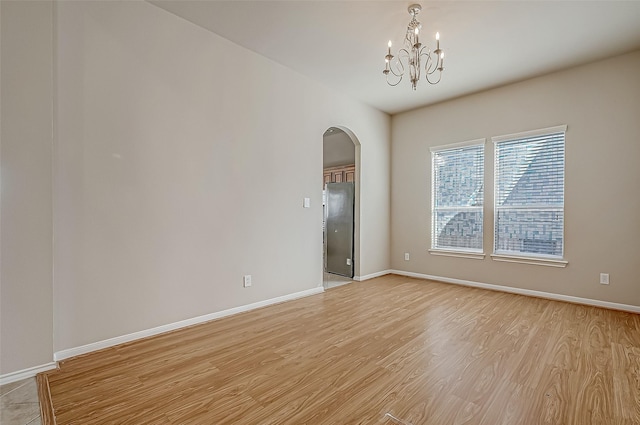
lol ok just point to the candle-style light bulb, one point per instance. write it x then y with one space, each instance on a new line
437 36
389 44
437 40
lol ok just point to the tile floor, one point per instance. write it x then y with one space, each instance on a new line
333 280
19 403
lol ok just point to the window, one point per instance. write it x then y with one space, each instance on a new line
457 197
529 194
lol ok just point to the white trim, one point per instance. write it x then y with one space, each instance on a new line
26 373
99 345
527 292
371 275
452 146
459 254
536 261
530 133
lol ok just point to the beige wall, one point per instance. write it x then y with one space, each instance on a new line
26 320
181 163
600 103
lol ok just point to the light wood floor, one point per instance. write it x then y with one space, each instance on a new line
426 352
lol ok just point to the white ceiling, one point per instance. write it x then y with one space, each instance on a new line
487 43
337 148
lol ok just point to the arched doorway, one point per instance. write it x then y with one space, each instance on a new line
341 207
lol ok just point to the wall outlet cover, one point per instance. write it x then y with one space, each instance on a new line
246 279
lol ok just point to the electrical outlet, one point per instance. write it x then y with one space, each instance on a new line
406 256
246 279
604 278
348 261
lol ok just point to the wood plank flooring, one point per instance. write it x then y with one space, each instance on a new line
425 352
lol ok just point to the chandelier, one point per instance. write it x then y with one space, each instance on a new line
413 54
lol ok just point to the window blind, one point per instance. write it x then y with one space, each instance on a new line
457 197
529 194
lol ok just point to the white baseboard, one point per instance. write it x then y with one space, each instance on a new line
25 373
99 345
529 292
372 275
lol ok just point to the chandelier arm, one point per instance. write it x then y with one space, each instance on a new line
391 84
434 82
399 74
399 68
436 66
430 65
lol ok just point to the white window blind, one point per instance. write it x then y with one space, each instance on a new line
457 197
529 193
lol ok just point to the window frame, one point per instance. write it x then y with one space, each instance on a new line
527 258
477 254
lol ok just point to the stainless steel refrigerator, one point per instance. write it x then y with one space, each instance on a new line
338 236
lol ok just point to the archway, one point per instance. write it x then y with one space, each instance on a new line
341 180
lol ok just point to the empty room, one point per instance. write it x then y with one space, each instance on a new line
319 212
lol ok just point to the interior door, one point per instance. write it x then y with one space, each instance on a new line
339 228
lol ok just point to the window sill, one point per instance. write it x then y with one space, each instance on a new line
459 254
536 261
